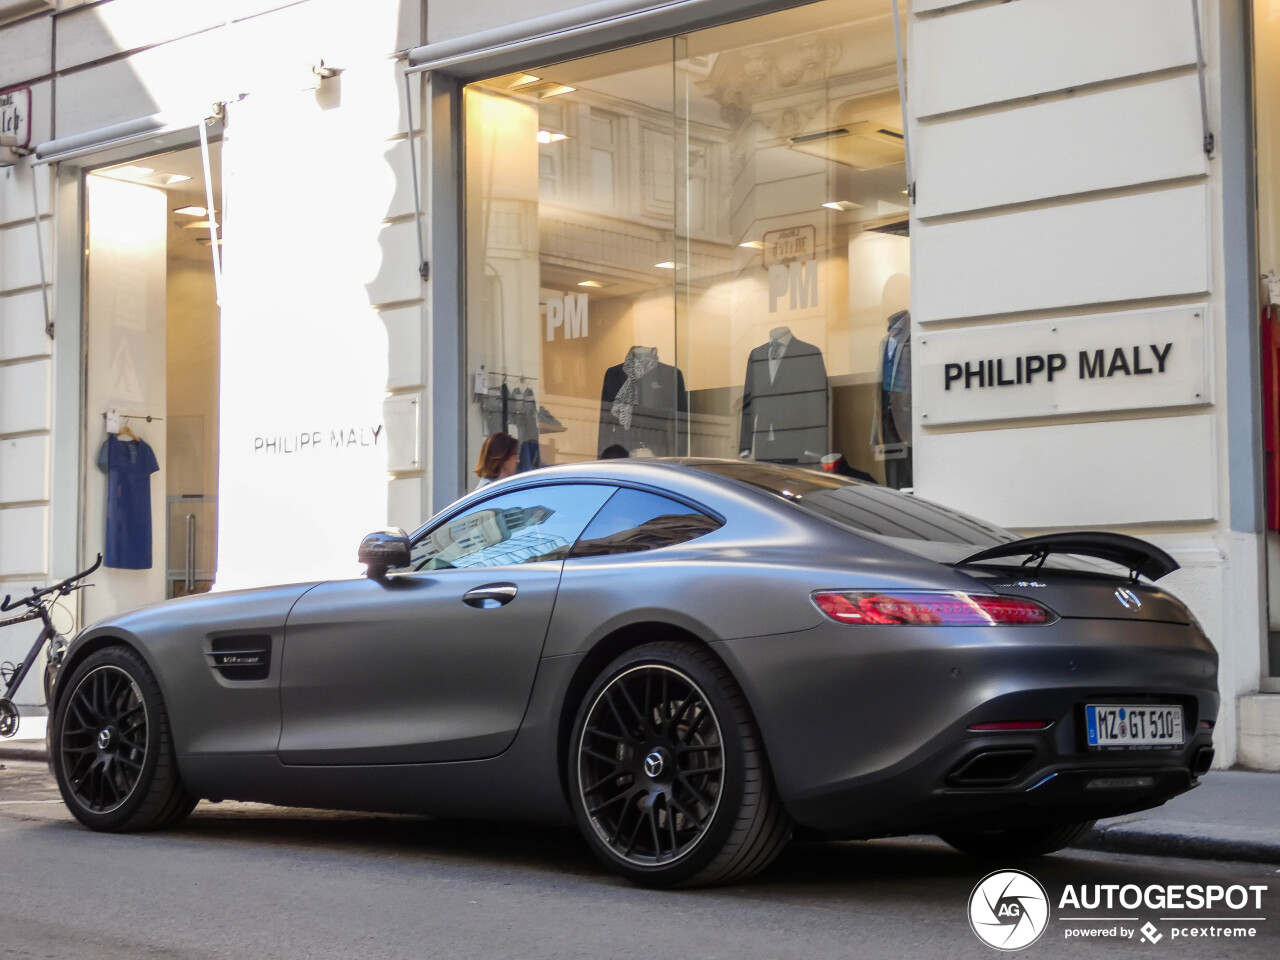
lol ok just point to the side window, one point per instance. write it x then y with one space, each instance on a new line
633 520
524 526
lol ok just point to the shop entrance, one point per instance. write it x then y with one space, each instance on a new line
151 382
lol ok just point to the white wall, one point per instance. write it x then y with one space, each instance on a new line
1060 174
119 60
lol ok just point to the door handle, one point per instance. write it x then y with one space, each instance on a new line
490 596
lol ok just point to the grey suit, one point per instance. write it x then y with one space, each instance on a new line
785 418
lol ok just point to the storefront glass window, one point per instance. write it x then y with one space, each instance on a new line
697 246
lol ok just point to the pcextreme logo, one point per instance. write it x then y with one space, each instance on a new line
1008 910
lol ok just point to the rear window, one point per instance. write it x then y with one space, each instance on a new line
863 507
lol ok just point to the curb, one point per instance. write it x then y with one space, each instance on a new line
23 750
1131 838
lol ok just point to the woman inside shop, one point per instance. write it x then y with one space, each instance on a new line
499 458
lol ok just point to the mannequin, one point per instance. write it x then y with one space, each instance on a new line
784 401
892 427
644 406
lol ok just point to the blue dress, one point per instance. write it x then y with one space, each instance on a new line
128 466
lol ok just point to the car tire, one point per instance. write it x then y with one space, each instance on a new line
668 777
1019 841
111 748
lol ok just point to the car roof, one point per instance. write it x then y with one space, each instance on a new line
675 476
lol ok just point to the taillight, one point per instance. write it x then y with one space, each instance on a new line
929 609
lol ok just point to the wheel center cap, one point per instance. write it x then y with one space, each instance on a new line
104 738
653 764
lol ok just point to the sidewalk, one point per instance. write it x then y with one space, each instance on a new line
1232 815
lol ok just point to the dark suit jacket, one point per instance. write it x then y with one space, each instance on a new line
660 419
793 405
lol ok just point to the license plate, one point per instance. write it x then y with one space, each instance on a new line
1133 725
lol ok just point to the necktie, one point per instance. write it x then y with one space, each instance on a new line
775 349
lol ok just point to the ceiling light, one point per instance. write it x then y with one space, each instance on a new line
524 80
193 211
165 179
130 172
554 90
753 244
200 225
205 241
549 136
669 265
844 206
592 283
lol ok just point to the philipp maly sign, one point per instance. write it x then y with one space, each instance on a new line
1075 365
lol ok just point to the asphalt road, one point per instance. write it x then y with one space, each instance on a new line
259 883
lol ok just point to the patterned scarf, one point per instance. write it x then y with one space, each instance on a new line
640 360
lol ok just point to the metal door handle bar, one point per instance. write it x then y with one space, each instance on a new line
491 595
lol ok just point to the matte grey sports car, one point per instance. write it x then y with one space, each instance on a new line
690 658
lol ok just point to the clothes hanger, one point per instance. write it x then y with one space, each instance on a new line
126 432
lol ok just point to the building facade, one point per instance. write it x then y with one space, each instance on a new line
1017 257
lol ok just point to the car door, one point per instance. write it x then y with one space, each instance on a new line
434 662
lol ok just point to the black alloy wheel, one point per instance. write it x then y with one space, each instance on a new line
111 747
667 774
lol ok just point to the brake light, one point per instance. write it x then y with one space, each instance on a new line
929 609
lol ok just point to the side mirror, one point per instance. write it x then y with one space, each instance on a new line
384 550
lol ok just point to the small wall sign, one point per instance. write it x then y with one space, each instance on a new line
15 118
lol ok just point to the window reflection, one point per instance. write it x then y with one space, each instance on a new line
525 526
633 520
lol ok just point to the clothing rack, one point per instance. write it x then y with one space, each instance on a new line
135 416
512 376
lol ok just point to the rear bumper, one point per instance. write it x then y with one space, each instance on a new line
867 729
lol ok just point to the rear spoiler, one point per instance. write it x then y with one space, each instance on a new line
1138 555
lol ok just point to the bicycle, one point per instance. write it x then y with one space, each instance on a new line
38 603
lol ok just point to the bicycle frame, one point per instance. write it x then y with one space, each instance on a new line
9 714
37 609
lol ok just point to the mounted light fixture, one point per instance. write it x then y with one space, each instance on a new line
324 71
550 136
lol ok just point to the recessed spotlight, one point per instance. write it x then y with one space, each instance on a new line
200 225
165 179
752 244
550 136
844 206
524 80
192 211
666 265
592 283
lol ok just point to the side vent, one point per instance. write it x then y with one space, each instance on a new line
241 658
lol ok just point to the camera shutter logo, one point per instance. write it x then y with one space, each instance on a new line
1008 910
